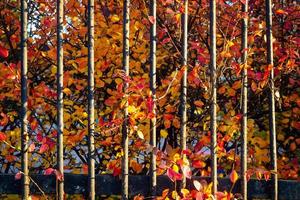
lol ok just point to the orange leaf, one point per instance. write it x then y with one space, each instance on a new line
176 123
136 166
281 12
234 176
253 86
222 90
10 158
198 103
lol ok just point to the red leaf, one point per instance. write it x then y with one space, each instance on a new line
44 148
199 196
18 176
3 52
221 195
151 19
2 136
85 168
166 40
267 175
150 104
116 171
174 176
59 175
31 147
198 164
186 171
49 171
187 152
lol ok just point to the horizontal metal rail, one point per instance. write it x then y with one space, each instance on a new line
140 184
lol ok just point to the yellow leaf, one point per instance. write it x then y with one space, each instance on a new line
67 91
84 114
164 133
185 192
131 109
175 168
174 194
118 81
230 43
53 69
115 18
140 134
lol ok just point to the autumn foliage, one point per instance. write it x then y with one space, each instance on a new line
109 94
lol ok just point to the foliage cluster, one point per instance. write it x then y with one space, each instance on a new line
109 79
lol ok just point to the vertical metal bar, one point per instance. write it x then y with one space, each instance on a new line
272 123
213 106
153 93
126 23
184 43
91 101
24 123
59 76
244 99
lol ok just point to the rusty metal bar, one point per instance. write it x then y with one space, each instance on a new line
213 105
91 101
24 122
244 99
59 76
272 123
183 112
125 128
153 93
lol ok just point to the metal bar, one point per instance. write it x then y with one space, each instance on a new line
153 93
125 131
24 122
272 123
59 76
183 115
213 105
91 101
244 99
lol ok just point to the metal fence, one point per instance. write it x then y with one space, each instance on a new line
94 182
